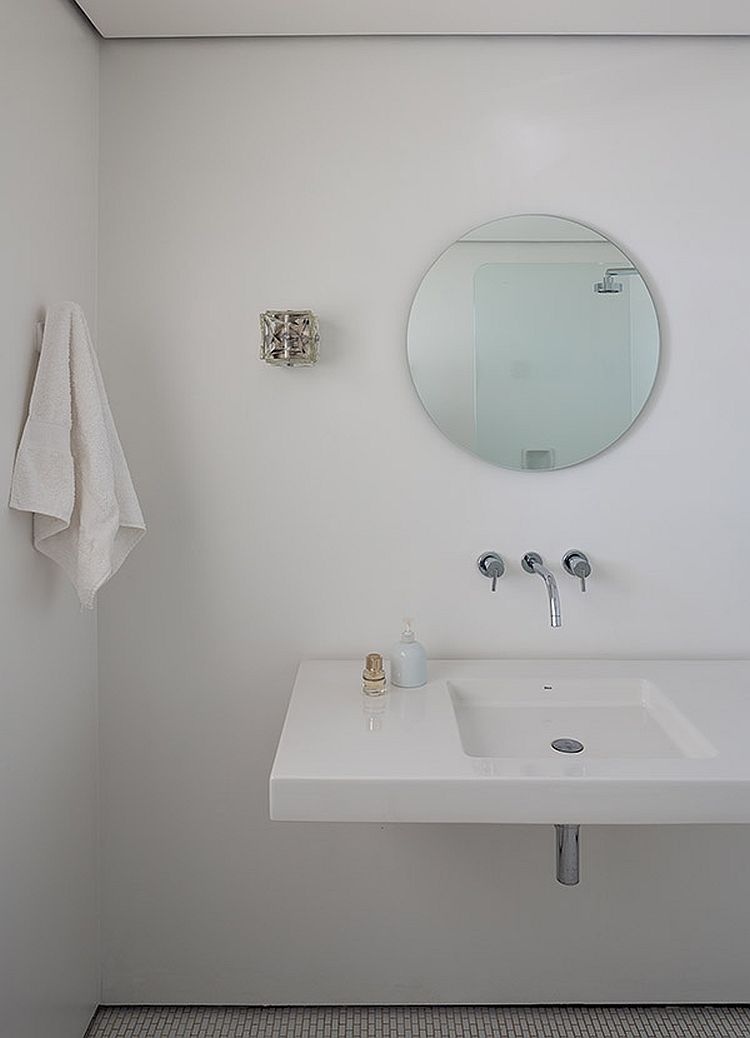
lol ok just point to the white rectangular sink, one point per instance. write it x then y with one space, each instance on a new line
599 717
663 742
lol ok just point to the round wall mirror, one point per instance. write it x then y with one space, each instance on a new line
533 342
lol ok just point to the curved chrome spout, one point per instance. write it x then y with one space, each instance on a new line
532 562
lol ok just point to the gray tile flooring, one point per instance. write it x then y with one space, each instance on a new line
424 1022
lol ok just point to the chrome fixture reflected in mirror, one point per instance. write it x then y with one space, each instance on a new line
289 337
533 342
608 285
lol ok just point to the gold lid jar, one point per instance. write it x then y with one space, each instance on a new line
373 676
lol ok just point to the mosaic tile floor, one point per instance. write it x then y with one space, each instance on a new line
424 1022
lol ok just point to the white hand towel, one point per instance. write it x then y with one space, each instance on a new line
70 468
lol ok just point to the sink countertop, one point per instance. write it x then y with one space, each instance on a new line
344 756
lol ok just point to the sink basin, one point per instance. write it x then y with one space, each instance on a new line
521 717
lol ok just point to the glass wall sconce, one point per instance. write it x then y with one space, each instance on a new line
289 337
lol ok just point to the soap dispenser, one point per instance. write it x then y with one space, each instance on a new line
408 660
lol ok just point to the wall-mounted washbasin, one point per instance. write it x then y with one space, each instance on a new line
662 742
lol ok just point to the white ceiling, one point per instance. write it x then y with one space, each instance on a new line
160 18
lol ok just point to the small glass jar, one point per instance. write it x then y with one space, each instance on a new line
373 676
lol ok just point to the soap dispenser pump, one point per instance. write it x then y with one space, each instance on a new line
408 660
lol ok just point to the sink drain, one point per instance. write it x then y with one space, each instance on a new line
567 745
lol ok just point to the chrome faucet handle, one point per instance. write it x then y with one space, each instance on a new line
491 565
578 565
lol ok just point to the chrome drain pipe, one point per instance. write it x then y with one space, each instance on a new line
568 854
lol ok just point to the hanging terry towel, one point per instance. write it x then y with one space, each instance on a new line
70 468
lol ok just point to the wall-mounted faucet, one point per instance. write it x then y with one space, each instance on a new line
491 565
532 562
578 565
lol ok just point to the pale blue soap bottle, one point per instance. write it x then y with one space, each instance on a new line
408 660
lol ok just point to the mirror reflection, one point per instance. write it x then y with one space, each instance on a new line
533 342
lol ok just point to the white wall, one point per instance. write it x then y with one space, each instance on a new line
303 513
49 973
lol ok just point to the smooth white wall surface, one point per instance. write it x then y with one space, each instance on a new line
49 972
300 513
